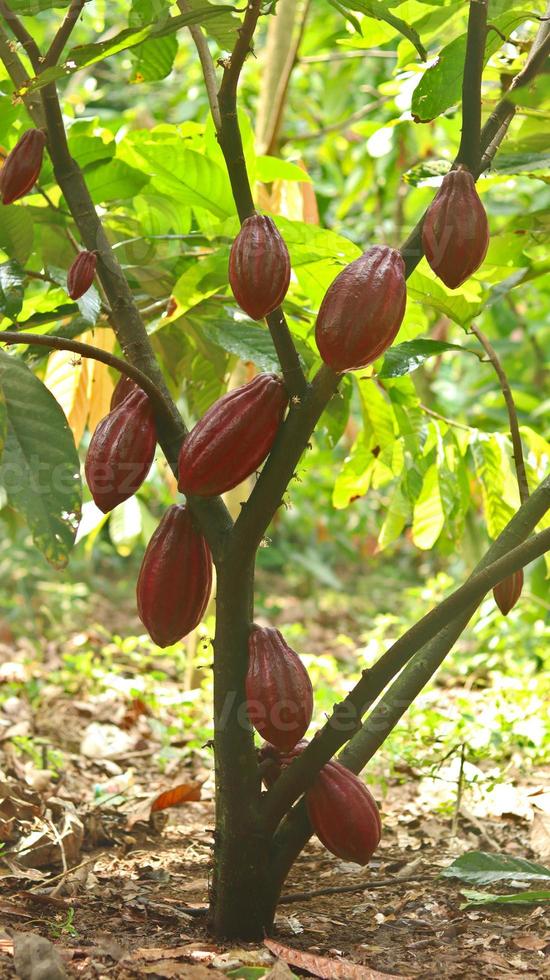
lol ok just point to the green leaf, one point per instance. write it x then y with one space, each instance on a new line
16 232
87 149
441 84
114 181
481 868
517 163
11 289
405 358
184 175
154 59
90 54
223 28
272 168
521 898
489 467
429 517
380 10
397 515
40 469
240 337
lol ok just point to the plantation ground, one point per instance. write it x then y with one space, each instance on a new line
102 727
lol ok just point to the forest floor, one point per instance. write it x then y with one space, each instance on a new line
115 875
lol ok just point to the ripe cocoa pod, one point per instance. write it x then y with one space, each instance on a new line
507 592
124 387
362 310
279 695
175 578
121 451
81 274
343 814
259 267
22 166
455 233
233 437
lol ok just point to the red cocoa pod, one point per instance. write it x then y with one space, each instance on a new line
233 437
22 166
455 233
279 695
362 310
343 814
259 267
175 578
81 274
121 451
507 592
124 387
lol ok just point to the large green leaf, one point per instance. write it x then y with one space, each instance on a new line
481 868
113 181
405 358
39 470
184 175
441 84
154 59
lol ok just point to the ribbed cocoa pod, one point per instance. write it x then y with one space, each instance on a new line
507 592
343 814
175 579
22 166
81 274
259 267
455 233
279 695
233 437
121 451
124 387
362 310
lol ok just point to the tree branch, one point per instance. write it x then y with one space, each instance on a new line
207 65
499 562
56 47
523 485
10 337
469 149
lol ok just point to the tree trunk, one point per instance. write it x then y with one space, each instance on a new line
242 905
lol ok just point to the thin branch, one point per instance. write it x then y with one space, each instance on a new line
207 65
523 485
346 714
469 149
16 71
10 337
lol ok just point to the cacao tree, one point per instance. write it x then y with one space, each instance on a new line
71 194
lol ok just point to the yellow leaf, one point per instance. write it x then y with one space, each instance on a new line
100 382
67 379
